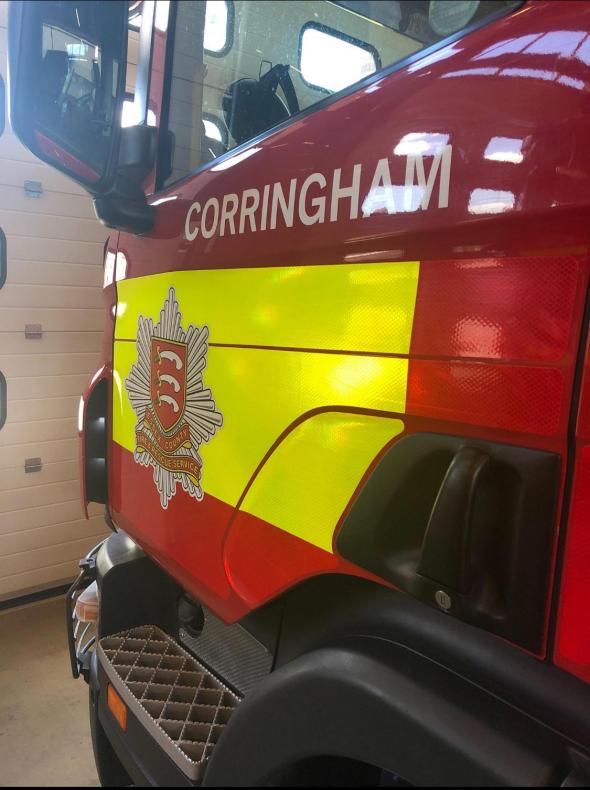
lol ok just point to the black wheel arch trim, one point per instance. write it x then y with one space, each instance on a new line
327 609
378 702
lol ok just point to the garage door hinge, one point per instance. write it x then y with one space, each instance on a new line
33 189
33 465
33 331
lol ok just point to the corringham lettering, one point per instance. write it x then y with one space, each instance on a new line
318 199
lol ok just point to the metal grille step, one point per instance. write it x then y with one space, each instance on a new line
183 705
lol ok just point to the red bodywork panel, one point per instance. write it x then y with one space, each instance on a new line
572 648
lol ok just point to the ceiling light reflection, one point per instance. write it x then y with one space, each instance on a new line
504 149
490 201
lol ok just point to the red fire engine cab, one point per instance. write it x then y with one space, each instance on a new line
341 429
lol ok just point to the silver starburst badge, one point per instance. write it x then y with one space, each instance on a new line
175 413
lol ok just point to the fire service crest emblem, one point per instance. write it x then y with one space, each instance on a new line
175 412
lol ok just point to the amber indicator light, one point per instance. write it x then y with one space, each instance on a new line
117 707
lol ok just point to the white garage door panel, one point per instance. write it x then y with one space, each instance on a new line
53 342
40 579
48 273
47 556
17 478
42 417
130 78
16 173
49 296
33 387
10 148
132 47
46 364
42 537
46 516
61 450
51 203
42 408
55 249
54 227
51 319
17 434
35 248
43 495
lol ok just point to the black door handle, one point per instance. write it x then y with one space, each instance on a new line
446 545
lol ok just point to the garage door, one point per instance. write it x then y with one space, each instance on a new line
51 318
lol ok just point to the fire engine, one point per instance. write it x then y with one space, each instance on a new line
341 428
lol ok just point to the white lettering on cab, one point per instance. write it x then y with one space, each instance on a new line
318 198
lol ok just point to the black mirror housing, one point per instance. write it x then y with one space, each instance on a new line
67 65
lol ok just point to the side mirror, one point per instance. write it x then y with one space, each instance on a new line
67 63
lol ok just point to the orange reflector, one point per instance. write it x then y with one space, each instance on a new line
117 707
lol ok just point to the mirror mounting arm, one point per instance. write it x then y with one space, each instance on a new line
137 152
124 206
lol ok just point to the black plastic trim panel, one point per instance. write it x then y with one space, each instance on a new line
378 703
95 444
2 105
3 399
433 496
327 609
133 589
3 257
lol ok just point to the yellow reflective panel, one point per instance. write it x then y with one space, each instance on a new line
365 307
260 393
124 418
309 480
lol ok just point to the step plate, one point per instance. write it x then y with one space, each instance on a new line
181 703
238 657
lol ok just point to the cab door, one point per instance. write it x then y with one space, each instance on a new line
349 343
